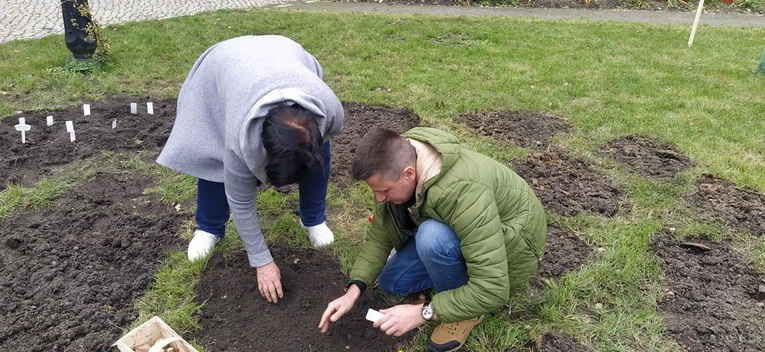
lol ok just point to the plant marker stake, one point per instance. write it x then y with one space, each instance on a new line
70 129
49 120
114 124
133 108
373 315
695 22
86 109
23 127
150 108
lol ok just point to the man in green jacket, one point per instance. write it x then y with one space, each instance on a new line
459 222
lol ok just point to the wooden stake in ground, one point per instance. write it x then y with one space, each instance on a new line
695 22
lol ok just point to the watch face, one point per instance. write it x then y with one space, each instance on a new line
427 312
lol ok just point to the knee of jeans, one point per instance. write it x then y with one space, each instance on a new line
391 286
430 237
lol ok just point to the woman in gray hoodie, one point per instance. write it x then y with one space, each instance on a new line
254 110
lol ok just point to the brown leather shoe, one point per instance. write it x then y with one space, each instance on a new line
448 337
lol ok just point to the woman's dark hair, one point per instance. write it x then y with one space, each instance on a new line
293 144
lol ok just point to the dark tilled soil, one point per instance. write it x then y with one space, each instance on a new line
735 207
564 252
236 318
647 157
526 129
713 299
71 273
555 341
568 186
47 147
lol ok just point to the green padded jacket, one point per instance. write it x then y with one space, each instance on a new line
501 225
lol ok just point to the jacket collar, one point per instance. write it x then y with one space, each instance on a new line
428 164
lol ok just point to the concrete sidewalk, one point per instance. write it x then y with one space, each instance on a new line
30 19
674 17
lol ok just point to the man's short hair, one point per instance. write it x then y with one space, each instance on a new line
293 144
382 151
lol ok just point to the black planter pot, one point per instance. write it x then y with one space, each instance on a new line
76 37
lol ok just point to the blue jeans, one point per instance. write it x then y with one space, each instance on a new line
432 258
213 211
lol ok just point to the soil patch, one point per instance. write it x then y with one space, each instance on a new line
71 273
527 129
47 147
714 300
358 120
555 341
737 208
564 252
568 186
647 156
236 318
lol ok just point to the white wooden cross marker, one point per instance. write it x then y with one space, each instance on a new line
23 127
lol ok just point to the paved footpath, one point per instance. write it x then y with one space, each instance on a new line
29 19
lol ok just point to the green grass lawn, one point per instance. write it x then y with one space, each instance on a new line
607 79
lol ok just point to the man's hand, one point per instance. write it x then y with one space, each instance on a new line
400 319
339 307
270 282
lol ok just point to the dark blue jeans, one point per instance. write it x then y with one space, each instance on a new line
213 211
432 258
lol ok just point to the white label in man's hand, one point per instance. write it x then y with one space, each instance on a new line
373 315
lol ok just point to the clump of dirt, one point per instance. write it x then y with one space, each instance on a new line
647 156
713 299
527 129
71 273
555 341
236 318
564 252
359 119
568 186
47 147
737 208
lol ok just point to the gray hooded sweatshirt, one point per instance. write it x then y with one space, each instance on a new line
221 108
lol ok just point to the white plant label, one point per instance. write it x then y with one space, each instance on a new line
133 108
86 109
150 108
70 129
114 123
49 120
23 128
373 315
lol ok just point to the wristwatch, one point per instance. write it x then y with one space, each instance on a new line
427 311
